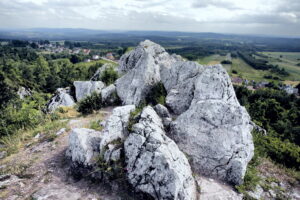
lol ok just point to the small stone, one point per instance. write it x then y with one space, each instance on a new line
61 131
3 154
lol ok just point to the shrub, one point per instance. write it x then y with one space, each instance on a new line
226 62
90 104
157 94
109 76
234 71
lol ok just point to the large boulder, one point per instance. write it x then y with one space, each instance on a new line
61 97
179 81
155 165
142 68
217 136
83 146
99 73
86 88
109 95
115 128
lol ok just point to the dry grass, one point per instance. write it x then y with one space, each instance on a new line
13 143
65 112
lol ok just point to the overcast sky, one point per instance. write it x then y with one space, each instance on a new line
277 17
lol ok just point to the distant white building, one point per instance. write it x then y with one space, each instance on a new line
87 60
290 89
96 57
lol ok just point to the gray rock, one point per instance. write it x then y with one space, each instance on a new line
155 164
162 111
142 67
214 84
179 82
98 74
24 92
115 128
109 95
84 145
214 190
258 128
3 154
86 88
217 136
257 193
61 97
61 131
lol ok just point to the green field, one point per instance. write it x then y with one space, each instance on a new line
286 60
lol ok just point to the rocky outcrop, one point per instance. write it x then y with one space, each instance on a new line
84 146
109 95
142 68
98 74
86 88
61 97
115 128
155 165
217 136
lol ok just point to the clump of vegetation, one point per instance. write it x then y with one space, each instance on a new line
90 104
234 71
157 94
96 125
135 116
109 76
226 62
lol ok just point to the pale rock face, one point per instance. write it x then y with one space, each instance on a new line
61 97
99 72
84 145
217 136
24 92
162 111
109 95
115 126
142 67
179 83
214 84
155 164
86 88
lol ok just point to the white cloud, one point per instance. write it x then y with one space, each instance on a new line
237 16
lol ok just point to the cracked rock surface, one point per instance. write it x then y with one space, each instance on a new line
83 145
218 137
61 97
142 68
115 127
86 88
155 165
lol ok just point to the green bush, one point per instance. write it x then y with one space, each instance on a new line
90 104
109 76
157 94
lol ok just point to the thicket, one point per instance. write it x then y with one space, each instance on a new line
90 104
279 114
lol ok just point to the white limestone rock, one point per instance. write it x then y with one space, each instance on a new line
214 84
61 97
84 145
86 88
115 127
179 82
162 111
142 68
217 136
109 95
155 165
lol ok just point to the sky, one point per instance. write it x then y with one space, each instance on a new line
267 17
